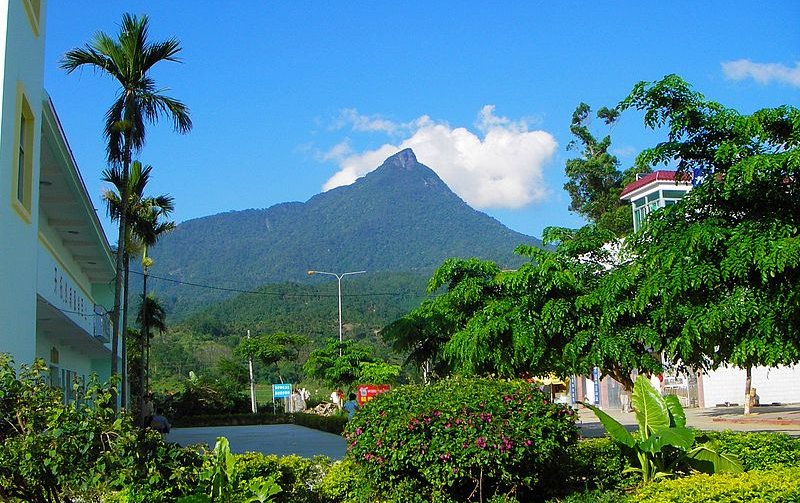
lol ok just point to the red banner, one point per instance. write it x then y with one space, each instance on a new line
367 392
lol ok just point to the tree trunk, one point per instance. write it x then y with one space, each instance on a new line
120 273
748 383
144 327
622 377
124 335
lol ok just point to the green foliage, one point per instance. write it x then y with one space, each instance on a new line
341 482
760 450
271 348
378 373
52 451
298 477
202 341
331 424
595 181
594 463
338 364
778 485
530 321
663 445
716 274
592 496
461 438
204 395
219 471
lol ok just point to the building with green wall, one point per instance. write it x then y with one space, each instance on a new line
56 266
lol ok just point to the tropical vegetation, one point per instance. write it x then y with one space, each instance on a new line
128 59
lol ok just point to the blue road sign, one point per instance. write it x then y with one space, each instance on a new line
281 390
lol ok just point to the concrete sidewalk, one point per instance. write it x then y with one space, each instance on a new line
783 418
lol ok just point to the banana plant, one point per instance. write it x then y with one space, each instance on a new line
663 444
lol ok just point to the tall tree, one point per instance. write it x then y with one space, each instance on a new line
595 180
719 272
128 59
338 364
145 227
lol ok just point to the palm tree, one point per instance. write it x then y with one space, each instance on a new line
129 59
144 227
151 317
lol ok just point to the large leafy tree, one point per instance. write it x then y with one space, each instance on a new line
595 179
269 349
128 59
531 321
717 274
145 226
338 364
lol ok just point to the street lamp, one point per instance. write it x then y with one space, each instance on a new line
339 278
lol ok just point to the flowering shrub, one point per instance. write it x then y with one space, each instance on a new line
462 439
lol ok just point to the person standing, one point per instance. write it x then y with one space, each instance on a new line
350 406
336 398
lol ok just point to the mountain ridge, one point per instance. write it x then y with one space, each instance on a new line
399 217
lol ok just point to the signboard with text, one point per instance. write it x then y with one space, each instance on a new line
281 391
367 392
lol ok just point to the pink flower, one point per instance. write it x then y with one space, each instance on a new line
481 442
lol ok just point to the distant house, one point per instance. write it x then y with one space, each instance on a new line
725 385
56 267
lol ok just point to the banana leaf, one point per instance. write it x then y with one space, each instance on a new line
677 415
679 437
651 410
707 458
612 426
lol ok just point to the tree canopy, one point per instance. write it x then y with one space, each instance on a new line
709 281
718 272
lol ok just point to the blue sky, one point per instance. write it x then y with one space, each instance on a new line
291 97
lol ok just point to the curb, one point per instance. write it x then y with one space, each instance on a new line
756 420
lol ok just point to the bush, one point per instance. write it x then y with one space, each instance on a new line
779 485
462 439
592 496
760 450
298 477
331 424
342 483
595 463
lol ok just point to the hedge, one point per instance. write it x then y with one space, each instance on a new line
780 485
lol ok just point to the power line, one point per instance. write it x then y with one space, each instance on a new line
275 294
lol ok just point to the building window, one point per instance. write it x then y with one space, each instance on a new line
651 202
22 197
33 8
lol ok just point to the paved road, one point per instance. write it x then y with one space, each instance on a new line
785 418
285 439
280 439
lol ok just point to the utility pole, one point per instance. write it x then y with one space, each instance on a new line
253 404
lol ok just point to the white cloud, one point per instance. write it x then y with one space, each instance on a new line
763 73
501 169
350 117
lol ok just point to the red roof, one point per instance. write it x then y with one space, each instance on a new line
663 175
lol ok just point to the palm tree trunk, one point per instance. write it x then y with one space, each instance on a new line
118 283
123 338
143 337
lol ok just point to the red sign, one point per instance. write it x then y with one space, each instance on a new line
367 392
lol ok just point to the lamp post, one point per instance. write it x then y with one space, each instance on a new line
339 278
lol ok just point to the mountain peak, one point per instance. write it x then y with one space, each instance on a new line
404 159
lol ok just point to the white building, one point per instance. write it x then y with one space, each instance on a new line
57 269
725 385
